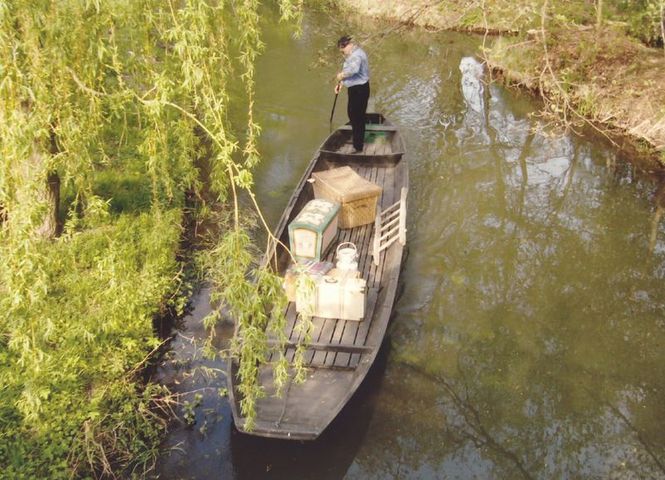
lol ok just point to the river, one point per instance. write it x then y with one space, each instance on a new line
528 339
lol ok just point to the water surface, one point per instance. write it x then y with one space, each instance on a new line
529 337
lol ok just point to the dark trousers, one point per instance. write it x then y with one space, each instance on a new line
358 96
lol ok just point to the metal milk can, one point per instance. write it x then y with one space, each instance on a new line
347 257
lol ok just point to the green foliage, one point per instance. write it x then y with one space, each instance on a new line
70 348
306 289
644 19
641 17
126 193
472 18
254 298
577 13
122 99
190 407
587 102
498 14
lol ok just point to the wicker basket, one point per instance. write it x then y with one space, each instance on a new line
357 196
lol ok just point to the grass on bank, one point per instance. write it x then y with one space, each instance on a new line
609 78
605 67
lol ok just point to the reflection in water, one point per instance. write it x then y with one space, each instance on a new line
529 341
472 83
659 201
474 124
197 449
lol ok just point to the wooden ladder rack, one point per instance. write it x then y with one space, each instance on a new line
389 226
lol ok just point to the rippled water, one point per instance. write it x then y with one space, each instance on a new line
529 337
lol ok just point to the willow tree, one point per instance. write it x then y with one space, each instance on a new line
83 85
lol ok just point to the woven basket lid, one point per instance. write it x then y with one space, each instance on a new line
347 184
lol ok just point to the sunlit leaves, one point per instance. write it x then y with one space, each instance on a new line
70 342
251 295
124 100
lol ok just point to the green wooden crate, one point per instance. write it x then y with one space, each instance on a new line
312 231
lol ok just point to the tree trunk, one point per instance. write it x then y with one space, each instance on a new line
599 14
662 24
50 226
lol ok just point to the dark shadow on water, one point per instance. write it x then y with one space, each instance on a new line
212 448
329 456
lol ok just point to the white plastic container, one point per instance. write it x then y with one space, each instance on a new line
353 300
343 299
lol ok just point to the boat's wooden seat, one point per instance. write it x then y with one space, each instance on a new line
373 128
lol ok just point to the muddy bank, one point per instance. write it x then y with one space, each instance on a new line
604 77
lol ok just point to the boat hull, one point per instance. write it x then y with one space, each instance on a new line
341 351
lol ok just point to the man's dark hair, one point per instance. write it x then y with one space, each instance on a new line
344 41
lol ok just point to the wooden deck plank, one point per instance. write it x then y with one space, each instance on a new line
366 254
376 272
342 325
390 196
386 179
318 357
389 286
332 347
349 334
366 265
353 235
346 330
293 335
377 177
321 325
296 408
371 269
363 334
316 336
363 328
364 239
366 233
389 270
296 336
373 127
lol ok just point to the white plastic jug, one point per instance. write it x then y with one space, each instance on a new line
347 257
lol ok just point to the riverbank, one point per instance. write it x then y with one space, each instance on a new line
599 77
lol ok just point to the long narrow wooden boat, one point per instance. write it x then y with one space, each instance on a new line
341 352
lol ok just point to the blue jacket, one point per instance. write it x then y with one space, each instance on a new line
356 68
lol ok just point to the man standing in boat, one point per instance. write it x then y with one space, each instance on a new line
355 76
